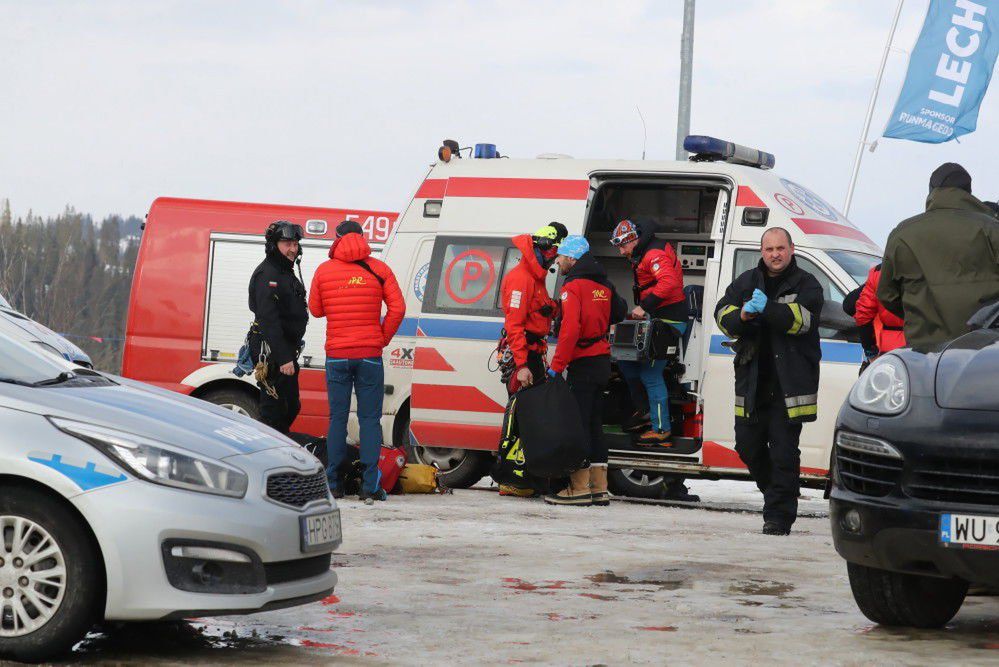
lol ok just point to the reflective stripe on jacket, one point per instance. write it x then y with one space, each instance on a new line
791 320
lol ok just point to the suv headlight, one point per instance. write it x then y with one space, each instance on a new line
159 463
883 388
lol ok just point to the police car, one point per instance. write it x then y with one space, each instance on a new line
126 502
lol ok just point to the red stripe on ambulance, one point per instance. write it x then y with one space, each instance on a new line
448 397
518 188
460 436
823 228
746 197
432 188
429 359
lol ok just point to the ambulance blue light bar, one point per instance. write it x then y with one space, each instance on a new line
710 149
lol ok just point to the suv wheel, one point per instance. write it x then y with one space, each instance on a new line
50 576
910 600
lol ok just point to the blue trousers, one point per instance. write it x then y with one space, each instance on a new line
366 377
650 375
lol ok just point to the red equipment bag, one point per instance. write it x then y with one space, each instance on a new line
391 461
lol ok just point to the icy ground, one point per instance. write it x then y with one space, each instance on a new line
473 578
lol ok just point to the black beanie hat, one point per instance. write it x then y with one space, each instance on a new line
951 175
348 227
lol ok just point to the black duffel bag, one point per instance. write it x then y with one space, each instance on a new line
551 430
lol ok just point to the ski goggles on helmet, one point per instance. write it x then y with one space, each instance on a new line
282 230
624 232
549 236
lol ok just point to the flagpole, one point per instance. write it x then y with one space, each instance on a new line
870 112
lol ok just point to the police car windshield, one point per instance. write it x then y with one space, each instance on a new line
857 264
23 364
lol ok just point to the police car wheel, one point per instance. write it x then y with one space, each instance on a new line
50 576
636 483
906 600
236 400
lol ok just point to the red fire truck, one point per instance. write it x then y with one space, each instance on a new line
188 312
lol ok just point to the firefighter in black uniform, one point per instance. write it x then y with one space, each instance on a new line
277 299
772 313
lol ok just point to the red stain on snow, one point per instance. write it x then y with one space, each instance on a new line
341 614
331 600
595 596
339 648
658 628
516 584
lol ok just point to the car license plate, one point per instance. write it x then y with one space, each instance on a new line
320 530
965 531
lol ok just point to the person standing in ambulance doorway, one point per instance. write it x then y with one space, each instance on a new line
588 306
528 310
772 313
277 301
658 293
348 290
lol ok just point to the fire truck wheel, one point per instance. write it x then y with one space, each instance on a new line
636 483
236 400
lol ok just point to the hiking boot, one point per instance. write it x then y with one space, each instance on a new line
636 423
775 528
577 493
508 490
598 484
678 491
653 438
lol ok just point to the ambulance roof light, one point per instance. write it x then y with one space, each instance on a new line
710 149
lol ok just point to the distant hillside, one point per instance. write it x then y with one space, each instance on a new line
73 275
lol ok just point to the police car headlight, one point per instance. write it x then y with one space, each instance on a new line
883 388
159 463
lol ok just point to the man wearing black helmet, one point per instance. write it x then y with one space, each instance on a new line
277 299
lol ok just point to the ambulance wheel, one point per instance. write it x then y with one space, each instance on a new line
237 400
51 578
460 468
636 483
906 600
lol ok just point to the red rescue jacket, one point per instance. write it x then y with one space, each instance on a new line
887 325
525 302
350 298
658 277
585 313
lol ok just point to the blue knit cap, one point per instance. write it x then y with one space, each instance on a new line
574 246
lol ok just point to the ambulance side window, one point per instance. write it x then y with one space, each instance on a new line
747 259
465 275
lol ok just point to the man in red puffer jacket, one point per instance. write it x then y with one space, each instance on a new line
348 290
888 327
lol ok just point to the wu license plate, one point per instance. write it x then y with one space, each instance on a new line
320 530
969 532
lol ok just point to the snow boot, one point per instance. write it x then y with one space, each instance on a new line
774 528
577 493
510 490
598 484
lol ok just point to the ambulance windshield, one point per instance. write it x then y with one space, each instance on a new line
857 264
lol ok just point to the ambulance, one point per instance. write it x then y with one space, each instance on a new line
450 249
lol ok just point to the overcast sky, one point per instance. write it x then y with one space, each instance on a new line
110 103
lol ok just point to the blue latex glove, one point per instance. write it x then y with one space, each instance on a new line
551 373
757 303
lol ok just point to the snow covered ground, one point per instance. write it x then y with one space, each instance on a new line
473 578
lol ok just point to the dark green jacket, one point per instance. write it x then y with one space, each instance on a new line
791 320
941 266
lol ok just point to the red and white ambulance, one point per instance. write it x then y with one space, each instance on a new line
450 250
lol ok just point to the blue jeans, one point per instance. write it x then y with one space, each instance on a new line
367 378
650 374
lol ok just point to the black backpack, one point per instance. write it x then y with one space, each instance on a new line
551 430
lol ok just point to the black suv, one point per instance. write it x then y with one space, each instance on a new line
914 503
